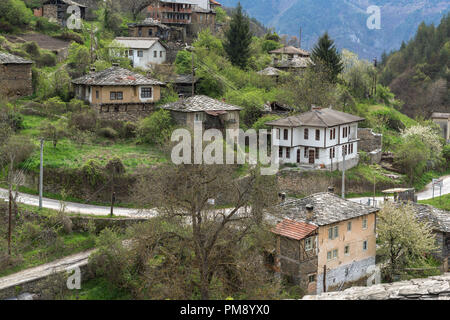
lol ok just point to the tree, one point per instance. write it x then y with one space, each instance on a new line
52 132
326 52
135 7
238 38
411 156
156 128
402 237
182 193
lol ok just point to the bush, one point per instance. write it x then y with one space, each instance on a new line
109 133
55 106
261 122
45 26
129 130
156 128
390 119
446 154
85 120
47 59
14 15
70 35
183 62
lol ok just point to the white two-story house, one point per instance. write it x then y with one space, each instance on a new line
143 52
320 138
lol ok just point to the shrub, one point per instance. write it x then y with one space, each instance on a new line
261 122
156 128
85 120
390 119
55 106
44 25
183 62
446 154
109 133
47 59
92 172
129 130
14 15
70 35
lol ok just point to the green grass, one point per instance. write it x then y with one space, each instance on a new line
98 289
439 202
69 154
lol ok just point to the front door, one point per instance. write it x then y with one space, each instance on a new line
299 152
311 156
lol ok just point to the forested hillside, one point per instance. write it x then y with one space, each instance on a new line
419 73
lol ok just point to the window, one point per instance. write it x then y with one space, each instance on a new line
317 135
331 134
317 153
155 54
288 153
334 152
150 32
305 153
334 133
199 117
347 250
349 226
329 255
278 134
349 130
365 245
312 278
116 108
308 244
140 53
97 94
146 92
306 134
330 233
335 255
116 95
280 152
285 134
160 54
333 232
364 223
331 153
336 231
130 53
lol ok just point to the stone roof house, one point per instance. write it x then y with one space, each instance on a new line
57 10
318 138
290 58
15 76
208 112
149 28
324 239
119 94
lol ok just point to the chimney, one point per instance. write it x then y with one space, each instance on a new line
309 212
331 189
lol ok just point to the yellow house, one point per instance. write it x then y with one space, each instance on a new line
119 94
325 241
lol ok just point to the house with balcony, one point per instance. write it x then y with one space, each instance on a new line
320 138
149 28
290 59
205 111
119 94
142 52
324 242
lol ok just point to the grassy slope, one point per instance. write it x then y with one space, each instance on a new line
439 202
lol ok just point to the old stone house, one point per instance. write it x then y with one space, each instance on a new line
57 10
440 223
149 28
318 138
290 59
119 94
142 52
325 241
183 84
15 76
443 120
205 111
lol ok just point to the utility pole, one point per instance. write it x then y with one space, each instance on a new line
193 73
41 174
343 172
325 278
374 189
10 222
300 39
113 194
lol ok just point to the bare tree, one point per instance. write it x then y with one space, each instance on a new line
135 7
187 192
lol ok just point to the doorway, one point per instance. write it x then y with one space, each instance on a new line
312 156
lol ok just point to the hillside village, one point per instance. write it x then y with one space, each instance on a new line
92 94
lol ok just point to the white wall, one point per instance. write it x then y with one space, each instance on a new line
148 56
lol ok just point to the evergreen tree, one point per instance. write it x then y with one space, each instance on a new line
238 38
325 52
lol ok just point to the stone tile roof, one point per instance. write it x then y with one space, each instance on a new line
6 58
438 218
136 42
317 118
293 229
116 76
300 62
182 79
328 208
291 50
69 2
149 22
199 103
270 71
440 115
432 288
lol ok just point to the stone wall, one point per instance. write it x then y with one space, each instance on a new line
125 112
345 273
15 80
433 288
369 141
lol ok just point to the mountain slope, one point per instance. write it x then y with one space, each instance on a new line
346 20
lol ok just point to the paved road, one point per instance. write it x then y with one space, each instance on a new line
425 194
42 271
136 213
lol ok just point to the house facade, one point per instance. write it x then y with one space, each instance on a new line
325 242
15 76
205 111
119 94
443 120
142 52
320 138
56 10
149 28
